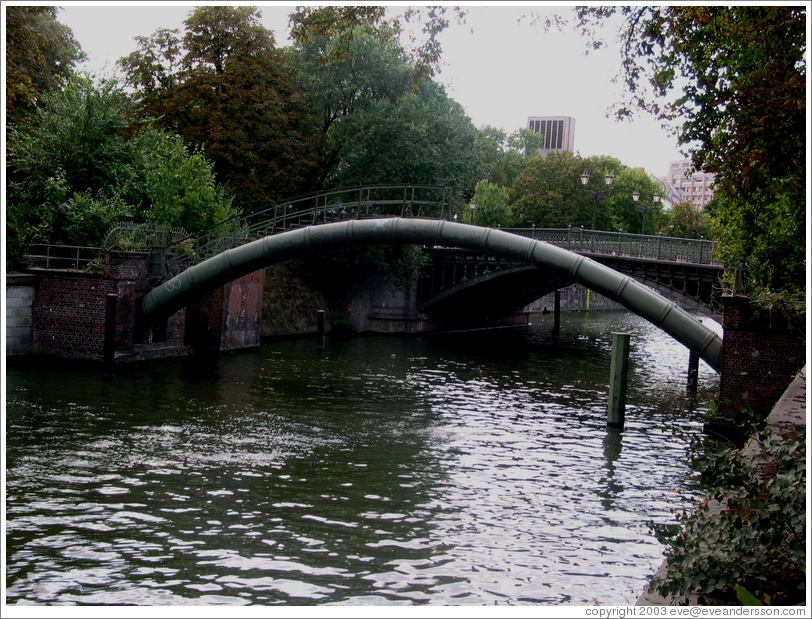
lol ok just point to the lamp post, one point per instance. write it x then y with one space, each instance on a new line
473 206
646 209
596 195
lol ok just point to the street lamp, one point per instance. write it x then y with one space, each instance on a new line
596 195
473 206
646 209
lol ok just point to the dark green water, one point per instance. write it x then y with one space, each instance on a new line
456 469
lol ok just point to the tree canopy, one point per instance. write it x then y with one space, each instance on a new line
731 82
226 89
378 125
549 194
76 167
40 56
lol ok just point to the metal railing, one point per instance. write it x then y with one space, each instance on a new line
132 236
649 247
65 257
362 201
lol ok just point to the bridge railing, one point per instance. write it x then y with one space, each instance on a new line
397 200
64 257
650 247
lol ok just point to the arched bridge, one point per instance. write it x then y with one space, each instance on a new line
329 220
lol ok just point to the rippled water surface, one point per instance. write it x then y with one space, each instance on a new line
457 469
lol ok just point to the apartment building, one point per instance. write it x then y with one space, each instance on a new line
694 187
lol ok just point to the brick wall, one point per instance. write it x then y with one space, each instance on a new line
69 309
229 317
204 322
242 305
758 361
69 314
125 268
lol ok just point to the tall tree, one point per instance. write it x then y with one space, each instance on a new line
620 199
492 209
549 194
226 89
731 81
378 125
502 157
686 221
340 24
40 56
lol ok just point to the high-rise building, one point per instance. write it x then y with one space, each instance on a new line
695 187
558 132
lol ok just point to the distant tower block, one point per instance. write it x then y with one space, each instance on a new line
558 132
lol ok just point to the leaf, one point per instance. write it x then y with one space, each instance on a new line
747 598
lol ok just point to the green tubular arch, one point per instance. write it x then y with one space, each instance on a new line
176 293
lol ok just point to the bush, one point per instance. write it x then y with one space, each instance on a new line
750 531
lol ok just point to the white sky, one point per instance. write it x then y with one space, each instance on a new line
501 71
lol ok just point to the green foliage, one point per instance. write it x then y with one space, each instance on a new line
178 188
492 208
73 172
757 539
767 236
731 81
87 215
502 157
341 24
379 127
748 599
549 194
685 221
40 56
626 215
226 89
77 133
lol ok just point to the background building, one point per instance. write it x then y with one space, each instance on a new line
694 187
558 132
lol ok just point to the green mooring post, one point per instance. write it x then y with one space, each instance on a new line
693 371
109 336
320 336
618 377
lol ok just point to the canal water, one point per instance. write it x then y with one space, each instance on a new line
459 469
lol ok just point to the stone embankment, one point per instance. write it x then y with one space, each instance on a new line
788 412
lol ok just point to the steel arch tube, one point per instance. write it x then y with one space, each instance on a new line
176 293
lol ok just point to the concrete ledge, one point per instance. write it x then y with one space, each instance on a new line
20 279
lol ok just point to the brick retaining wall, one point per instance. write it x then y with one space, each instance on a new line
69 310
758 362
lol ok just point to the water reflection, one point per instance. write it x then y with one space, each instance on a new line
612 445
447 469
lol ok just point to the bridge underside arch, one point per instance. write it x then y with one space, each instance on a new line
513 288
457 278
176 293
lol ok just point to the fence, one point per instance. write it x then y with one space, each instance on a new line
650 247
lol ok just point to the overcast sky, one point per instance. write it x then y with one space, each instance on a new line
500 70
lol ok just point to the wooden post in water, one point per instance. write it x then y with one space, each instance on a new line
618 378
557 311
693 371
320 336
109 336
